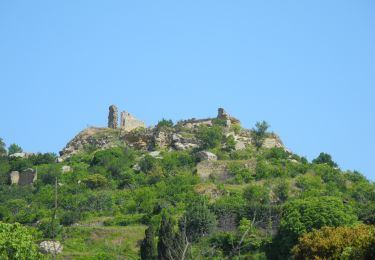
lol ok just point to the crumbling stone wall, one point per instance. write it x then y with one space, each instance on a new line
128 122
113 117
25 177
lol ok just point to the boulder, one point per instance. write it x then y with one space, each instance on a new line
207 156
66 168
51 247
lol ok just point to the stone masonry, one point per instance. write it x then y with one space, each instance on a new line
128 122
113 117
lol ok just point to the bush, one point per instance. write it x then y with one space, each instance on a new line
303 215
49 228
17 242
211 137
337 243
200 221
164 123
96 181
324 158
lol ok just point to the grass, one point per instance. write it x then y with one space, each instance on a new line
102 242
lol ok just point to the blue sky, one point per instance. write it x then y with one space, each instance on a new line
306 67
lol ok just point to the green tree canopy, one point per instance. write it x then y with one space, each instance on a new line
303 215
17 242
259 133
324 158
3 150
14 148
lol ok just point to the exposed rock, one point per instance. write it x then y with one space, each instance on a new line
206 156
21 155
162 138
137 168
219 170
155 154
51 247
113 117
133 133
272 142
25 177
129 122
66 168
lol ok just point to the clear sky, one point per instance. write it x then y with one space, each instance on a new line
306 67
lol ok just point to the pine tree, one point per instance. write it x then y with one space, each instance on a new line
148 246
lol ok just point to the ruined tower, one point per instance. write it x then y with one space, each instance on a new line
113 117
128 122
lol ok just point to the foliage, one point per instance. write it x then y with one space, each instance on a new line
258 133
211 137
337 243
14 148
95 181
164 123
303 215
200 221
324 158
147 249
17 242
3 150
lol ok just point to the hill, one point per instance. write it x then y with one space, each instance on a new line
200 188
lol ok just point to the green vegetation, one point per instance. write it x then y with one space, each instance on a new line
17 242
13 148
125 203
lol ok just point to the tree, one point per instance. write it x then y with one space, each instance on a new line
17 242
13 148
211 137
95 181
200 220
166 239
148 245
259 133
164 123
337 243
172 245
3 150
324 158
303 215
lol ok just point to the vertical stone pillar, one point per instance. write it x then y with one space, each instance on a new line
113 117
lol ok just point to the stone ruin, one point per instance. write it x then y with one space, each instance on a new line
113 117
127 121
222 114
25 177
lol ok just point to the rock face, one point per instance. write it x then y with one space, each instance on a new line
219 170
51 247
25 177
206 156
113 117
128 122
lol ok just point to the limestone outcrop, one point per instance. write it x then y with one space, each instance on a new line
51 247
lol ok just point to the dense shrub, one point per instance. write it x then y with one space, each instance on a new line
337 243
17 242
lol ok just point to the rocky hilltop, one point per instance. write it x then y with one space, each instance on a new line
183 136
